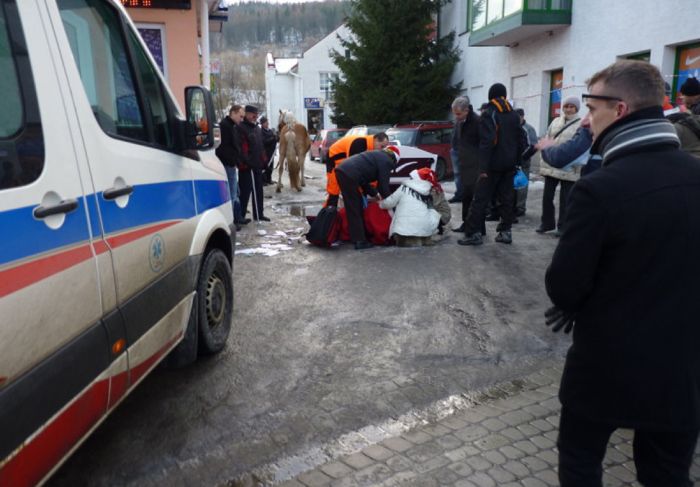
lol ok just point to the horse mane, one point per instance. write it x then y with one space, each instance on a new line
287 118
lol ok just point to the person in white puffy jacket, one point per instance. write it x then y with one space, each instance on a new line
415 220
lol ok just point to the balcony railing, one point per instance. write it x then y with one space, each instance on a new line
507 22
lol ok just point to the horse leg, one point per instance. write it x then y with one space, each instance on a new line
301 162
280 171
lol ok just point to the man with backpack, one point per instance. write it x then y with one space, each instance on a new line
687 124
501 143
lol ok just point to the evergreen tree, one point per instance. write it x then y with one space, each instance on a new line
396 70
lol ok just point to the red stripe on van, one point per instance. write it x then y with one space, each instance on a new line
16 278
43 452
37 457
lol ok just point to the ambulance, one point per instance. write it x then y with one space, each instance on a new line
116 227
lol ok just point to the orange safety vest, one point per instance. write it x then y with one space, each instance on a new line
341 150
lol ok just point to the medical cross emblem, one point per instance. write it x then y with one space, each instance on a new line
157 253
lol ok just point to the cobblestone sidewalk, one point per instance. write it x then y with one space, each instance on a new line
503 442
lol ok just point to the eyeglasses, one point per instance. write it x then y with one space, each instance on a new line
600 97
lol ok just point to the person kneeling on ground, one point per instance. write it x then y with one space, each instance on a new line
415 219
357 172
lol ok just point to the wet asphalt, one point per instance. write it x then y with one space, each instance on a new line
326 345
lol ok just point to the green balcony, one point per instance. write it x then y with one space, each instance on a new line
507 22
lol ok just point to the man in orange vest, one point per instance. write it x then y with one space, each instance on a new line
344 148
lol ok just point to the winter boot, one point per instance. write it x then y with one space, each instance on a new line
473 239
504 237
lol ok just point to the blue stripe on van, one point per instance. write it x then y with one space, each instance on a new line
24 236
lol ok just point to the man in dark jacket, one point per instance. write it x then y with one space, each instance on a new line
269 140
250 171
229 153
357 172
625 277
501 143
466 141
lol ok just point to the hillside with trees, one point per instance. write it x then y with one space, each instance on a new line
256 28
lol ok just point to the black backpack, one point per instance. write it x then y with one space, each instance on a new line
324 228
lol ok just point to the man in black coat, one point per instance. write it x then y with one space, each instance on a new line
501 142
250 171
357 172
269 139
625 277
230 154
465 140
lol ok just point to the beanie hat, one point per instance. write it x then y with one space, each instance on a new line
393 151
427 174
691 87
497 90
572 100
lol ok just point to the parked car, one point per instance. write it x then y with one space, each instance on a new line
431 136
367 129
117 227
323 140
411 158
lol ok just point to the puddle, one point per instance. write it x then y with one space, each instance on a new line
297 209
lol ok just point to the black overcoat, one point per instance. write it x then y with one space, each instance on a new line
628 263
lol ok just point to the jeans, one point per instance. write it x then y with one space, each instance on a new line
232 174
459 190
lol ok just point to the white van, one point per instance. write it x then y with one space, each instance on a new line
116 226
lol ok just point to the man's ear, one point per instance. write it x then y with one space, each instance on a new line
623 109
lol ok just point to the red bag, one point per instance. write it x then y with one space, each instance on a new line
344 233
377 223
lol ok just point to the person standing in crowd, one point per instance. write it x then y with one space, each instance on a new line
466 140
250 171
624 276
230 154
269 140
521 194
501 143
415 218
357 172
343 148
560 130
687 124
454 154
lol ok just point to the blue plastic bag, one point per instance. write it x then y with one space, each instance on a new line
520 179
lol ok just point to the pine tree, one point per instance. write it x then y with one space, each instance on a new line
394 70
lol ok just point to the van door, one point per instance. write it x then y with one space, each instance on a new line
53 345
143 183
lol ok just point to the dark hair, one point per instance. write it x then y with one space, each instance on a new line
520 112
234 108
263 120
638 83
381 136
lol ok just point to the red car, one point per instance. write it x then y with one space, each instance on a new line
431 136
322 141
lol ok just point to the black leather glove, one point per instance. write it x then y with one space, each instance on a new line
557 318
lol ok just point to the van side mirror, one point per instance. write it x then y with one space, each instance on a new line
199 132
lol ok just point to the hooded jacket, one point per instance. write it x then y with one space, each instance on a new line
414 215
557 127
627 265
501 139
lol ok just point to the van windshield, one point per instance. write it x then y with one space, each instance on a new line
11 100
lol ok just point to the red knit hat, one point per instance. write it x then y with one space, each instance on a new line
394 150
429 175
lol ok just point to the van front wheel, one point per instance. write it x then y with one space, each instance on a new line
215 302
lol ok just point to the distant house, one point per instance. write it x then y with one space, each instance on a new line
303 84
177 34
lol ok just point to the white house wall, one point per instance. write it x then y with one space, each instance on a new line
601 31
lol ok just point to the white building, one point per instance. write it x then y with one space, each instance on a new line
543 50
302 85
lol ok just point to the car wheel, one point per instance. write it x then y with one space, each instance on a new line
441 168
214 302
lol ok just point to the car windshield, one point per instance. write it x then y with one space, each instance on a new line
404 136
335 135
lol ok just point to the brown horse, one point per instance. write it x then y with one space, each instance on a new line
294 144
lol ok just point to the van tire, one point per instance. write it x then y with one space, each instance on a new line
214 302
440 168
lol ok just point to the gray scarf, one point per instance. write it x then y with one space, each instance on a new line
636 135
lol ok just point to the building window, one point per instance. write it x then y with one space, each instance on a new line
640 56
326 81
153 36
484 12
556 81
687 66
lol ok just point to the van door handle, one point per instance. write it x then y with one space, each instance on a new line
114 193
65 206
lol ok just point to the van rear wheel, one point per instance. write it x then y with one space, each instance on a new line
215 302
